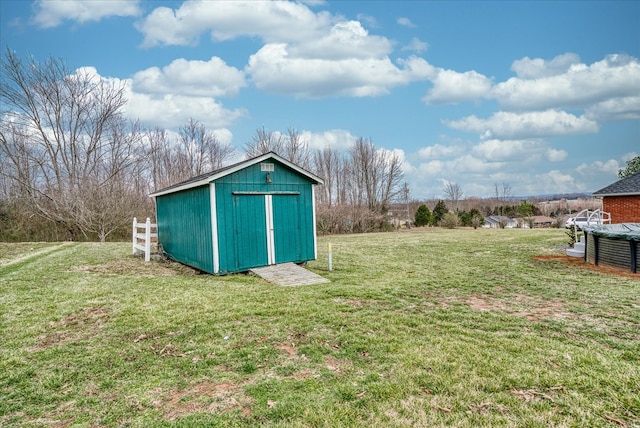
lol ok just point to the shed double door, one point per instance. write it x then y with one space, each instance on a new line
267 229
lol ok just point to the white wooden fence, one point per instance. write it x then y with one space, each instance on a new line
144 241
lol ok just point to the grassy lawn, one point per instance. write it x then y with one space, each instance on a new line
423 328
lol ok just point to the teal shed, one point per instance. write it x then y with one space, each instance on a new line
255 213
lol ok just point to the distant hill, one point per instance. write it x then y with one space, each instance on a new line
557 197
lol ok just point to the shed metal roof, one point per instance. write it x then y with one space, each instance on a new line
214 175
628 186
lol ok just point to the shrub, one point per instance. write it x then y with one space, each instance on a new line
450 221
477 221
573 236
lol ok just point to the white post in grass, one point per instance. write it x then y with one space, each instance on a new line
330 258
147 242
135 222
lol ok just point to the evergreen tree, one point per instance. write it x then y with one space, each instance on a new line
465 218
439 211
525 209
423 216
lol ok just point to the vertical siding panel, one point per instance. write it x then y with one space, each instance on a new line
287 216
184 227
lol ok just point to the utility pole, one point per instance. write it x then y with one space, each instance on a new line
405 192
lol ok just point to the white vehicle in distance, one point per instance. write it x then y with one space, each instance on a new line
580 222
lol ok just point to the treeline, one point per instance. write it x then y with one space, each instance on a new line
449 215
74 168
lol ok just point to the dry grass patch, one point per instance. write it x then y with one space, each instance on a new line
201 397
75 327
134 266
520 305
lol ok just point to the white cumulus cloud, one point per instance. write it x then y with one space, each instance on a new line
213 78
170 111
554 155
347 39
270 21
338 139
416 45
509 125
405 22
52 13
273 70
522 151
622 108
610 166
439 151
305 54
450 87
579 86
527 68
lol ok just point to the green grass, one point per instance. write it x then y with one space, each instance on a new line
424 328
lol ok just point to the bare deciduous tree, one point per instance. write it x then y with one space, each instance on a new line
502 195
376 175
263 142
196 151
160 160
291 146
329 165
200 150
296 149
454 193
66 141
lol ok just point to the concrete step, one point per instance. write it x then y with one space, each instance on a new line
573 252
288 274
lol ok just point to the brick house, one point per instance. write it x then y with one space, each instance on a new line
622 199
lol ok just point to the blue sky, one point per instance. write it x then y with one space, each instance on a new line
543 96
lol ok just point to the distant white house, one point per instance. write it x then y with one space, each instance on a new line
499 221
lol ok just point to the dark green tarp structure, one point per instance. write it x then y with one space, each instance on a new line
628 231
614 245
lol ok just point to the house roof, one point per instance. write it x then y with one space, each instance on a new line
628 186
543 219
498 218
214 175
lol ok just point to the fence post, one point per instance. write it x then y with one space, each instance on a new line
135 222
147 243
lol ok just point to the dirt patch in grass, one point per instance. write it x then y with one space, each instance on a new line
288 349
336 365
579 263
201 397
74 327
133 266
520 305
